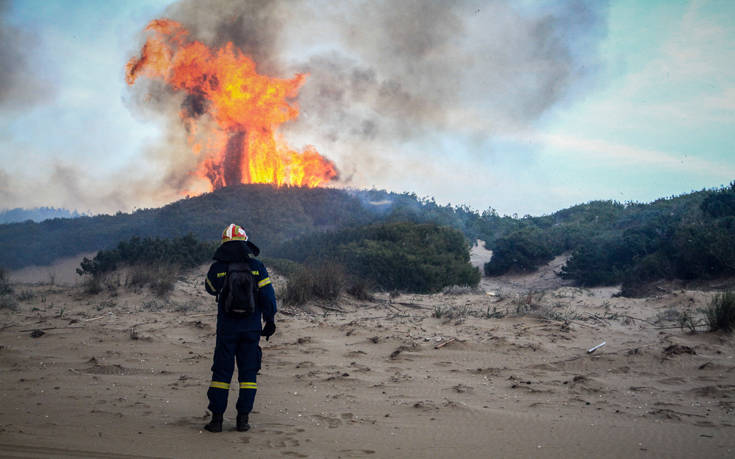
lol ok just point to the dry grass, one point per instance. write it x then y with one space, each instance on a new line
323 281
360 290
720 313
459 290
5 287
159 278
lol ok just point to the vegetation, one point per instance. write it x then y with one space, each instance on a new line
7 301
151 262
271 216
360 290
687 237
521 251
394 256
185 252
5 287
159 277
323 281
282 266
683 237
720 313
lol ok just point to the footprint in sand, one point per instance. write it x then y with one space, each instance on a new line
284 443
357 452
329 421
461 388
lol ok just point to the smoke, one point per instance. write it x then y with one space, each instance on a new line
20 86
385 74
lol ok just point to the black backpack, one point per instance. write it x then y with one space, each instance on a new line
240 290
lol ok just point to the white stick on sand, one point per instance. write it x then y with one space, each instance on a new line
593 349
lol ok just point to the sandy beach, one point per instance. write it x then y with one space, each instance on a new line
502 371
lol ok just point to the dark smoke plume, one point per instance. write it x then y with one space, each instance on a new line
385 72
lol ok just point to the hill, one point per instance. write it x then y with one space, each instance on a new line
686 237
270 215
36 214
689 237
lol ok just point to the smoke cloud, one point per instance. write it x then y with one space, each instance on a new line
383 74
19 85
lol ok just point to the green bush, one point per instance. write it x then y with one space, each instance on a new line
282 266
720 313
652 267
704 250
720 203
597 262
521 251
185 251
417 257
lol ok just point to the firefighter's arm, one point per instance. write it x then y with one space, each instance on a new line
266 295
214 279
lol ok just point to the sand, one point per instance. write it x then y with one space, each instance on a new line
124 374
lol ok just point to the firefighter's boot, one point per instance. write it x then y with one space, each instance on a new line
242 423
215 425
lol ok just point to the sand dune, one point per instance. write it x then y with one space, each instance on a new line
124 374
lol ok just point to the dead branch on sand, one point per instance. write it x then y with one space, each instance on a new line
46 328
636 318
94 318
413 305
441 345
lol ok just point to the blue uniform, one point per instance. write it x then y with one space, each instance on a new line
238 338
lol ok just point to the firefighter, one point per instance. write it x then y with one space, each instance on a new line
237 336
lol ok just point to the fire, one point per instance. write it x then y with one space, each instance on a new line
237 142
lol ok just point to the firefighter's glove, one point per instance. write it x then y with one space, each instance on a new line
268 330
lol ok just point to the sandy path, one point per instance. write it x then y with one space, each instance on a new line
369 381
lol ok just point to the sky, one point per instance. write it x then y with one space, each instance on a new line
524 106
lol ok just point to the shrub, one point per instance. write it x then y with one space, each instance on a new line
8 302
395 256
450 312
720 313
97 283
92 285
184 251
281 265
323 281
686 320
5 287
160 278
704 250
25 295
360 290
650 268
162 287
521 251
720 203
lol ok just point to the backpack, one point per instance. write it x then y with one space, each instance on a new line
240 290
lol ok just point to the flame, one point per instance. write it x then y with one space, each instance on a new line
241 145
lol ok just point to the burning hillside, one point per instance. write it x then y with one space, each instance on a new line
231 113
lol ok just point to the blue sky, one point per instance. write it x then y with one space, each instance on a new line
653 117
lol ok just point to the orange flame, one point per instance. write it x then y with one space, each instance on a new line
247 108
